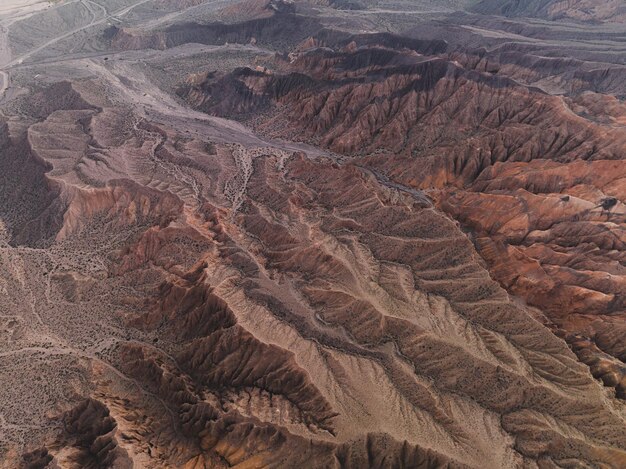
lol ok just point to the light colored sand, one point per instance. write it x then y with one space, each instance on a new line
8 7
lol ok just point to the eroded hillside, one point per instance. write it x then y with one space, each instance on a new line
328 248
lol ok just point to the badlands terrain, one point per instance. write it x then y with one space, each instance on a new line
312 234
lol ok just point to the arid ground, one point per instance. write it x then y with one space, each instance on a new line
312 234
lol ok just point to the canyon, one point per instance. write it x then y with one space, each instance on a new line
312 234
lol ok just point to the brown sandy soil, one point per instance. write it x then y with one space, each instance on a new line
395 255
486 150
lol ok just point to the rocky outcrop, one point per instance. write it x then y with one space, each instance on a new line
37 459
91 431
378 100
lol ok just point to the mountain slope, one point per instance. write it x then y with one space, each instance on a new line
582 10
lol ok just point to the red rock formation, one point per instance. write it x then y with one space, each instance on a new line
529 191
196 304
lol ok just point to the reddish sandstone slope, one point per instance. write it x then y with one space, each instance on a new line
219 306
524 171
441 291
